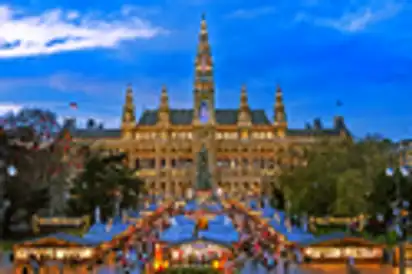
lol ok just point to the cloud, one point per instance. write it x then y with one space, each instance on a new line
59 30
9 107
251 13
354 21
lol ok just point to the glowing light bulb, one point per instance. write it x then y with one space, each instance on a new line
12 170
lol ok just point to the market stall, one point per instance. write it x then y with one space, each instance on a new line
56 224
56 251
338 247
198 252
408 254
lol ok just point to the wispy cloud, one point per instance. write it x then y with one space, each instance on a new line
251 13
354 21
59 30
9 107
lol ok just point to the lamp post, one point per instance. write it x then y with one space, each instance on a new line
10 171
399 206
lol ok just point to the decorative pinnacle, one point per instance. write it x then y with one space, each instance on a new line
129 88
278 90
164 99
243 97
164 90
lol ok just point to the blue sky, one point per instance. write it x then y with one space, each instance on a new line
319 51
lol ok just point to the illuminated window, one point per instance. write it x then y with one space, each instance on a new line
269 135
174 135
204 112
189 135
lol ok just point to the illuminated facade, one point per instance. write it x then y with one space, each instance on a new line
406 153
246 149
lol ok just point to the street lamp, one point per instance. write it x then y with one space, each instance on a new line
399 206
11 171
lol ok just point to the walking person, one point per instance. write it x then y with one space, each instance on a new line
293 265
351 268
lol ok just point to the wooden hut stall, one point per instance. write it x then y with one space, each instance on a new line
198 252
55 251
338 247
337 222
56 224
408 254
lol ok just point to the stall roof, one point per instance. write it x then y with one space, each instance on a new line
227 237
336 237
60 237
182 220
296 234
199 240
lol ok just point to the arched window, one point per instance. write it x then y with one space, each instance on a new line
204 114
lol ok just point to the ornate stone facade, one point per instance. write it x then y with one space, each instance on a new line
245 149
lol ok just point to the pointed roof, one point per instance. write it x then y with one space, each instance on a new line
128 107
243 98
164 100
204 57
280 115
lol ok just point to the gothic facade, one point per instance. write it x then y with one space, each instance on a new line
246 149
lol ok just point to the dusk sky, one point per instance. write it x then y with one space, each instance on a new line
319 51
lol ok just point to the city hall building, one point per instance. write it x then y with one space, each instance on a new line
246 148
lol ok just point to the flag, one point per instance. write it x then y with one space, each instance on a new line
73 105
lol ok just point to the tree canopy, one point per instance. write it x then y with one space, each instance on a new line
341 178
103 179
30 141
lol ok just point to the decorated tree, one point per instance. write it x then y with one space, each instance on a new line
105 182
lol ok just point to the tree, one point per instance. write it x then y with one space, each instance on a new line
338 177
103 179
30 144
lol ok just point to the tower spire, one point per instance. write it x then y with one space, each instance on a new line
128 107
163 113
280 121
203 85
244 118
244 105
204 56
128 115
164 100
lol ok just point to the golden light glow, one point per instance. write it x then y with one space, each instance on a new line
55 253
216 264
175 254
333 252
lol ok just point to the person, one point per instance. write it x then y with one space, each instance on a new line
351 269
35 264
293 268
